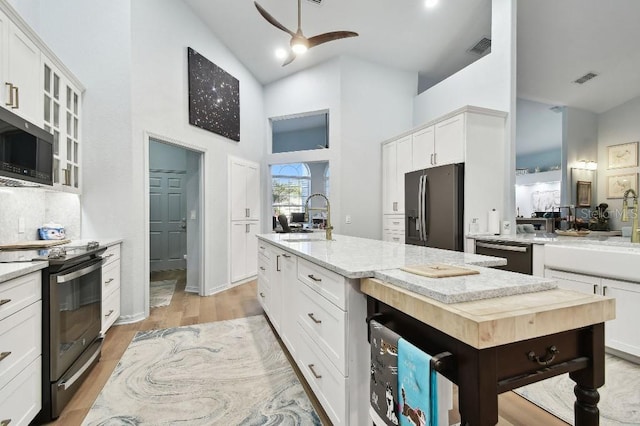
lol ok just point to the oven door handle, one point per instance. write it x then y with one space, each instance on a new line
71 380
502 247
77 274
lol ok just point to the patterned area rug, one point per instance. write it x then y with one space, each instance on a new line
221 373
619 397
161 292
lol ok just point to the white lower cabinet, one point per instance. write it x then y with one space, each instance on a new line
393 228
21 349
243 248
620 333
110 287
321 320
325 380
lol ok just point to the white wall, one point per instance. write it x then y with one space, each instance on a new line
160 107
135 72
616 126
489 82
376 105
367 104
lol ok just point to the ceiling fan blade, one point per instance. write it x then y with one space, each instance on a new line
272 20
334 35
289 59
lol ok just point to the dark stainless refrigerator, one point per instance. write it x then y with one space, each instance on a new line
434 207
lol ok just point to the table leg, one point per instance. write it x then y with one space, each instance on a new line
477 391
588 380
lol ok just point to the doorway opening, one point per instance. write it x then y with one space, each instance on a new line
175 227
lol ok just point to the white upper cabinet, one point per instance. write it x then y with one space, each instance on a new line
449 141
396 161
20 72
423 148
62 102
244 190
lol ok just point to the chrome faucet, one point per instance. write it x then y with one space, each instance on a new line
635 233
328 226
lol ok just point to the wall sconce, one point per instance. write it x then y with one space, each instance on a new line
588 165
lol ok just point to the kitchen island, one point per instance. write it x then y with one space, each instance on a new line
318 294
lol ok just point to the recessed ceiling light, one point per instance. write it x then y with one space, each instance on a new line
430 3
281 53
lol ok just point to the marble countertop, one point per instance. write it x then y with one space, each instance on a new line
552 238
9 271
354 257
489 283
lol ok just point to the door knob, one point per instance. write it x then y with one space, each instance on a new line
183 223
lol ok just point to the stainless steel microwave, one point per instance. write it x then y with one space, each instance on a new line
26 150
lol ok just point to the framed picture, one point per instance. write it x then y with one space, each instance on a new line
214 97
618 184
624 155
583 194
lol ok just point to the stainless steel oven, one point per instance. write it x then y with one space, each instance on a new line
71 332
519 255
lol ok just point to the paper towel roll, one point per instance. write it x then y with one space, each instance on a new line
493 222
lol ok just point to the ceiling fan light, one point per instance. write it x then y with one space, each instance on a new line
299 44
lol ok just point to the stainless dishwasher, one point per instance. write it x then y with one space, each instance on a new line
519 255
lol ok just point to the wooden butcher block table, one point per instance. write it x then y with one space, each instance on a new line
490 346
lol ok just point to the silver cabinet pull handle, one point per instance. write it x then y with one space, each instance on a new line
314 278
502 247
108 256
435 158
595 289
318 376
4 301
317 321
261 248
108 281
286 256
10 103
604 290
3 355
109 314
262 295
262 268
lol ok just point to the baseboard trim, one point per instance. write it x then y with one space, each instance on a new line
130 319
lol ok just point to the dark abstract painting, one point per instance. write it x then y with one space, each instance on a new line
214 97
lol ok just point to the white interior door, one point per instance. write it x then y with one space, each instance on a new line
167 221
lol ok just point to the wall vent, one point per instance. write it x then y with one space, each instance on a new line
588 76
482 47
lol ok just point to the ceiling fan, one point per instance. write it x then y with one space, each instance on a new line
299 43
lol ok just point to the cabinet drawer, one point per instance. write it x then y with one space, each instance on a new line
111 254
20 292
327 283
325 323
263 249
393 237
20 341
263 295
110 278
393 223
21 398
328 385
263 267
110 310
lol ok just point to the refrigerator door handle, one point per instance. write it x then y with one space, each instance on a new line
425 209
419 218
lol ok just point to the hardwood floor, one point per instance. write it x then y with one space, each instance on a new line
237 302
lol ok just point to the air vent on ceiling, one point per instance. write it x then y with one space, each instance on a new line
588 76
482 47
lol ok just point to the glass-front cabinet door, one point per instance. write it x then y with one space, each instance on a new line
62 119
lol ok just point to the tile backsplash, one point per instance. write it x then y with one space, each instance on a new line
36 207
